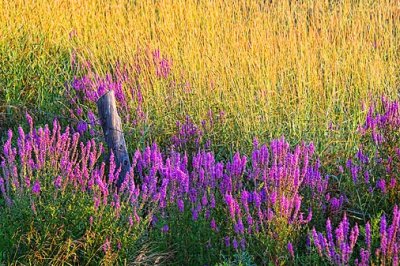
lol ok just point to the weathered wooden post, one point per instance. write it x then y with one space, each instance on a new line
113 134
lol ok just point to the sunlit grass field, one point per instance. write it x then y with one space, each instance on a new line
273 67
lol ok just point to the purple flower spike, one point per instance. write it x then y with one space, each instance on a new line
165 228
57 182
339 247
227 241
381 184
82 127
368 235
290 249
36 188
235 243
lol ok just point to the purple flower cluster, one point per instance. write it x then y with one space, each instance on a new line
282 175
189 136
337 246
388 251
375 166
335 204
187 133
278 175
254 196
92 86
54 164
87 88
378 122
269 197
70 164
162 64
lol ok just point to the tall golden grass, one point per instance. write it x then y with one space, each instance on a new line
274 67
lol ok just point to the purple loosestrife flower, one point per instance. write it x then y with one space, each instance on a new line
165 228
366 177
204 200
92 119
364 254
330 241
274 181
389 239
7 150
273 197
393 233
181 205
279 177
4 192
290 249
106 246
117 204
137 218
396 255
227 241
368 235
162 64
239 228
27 182
58 182
353 236
231 205
381 184
354 173
338 251
243 243
349 163
29 120
235 243
340 168
393 183
250 220
361 156
256 199
96 202
308 240
195 214
154 220
111 175
79 111
36 188
212 201
82 127
213 225
335 204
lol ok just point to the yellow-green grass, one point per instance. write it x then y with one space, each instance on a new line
274 67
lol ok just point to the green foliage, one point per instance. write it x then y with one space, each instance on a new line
270 244
33 75
241 258
57 228
190 242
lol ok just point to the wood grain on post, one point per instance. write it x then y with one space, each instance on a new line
113 134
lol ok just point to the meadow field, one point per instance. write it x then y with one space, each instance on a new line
260 132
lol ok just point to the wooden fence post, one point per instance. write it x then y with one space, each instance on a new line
113 134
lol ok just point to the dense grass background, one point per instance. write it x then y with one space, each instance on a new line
273 67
